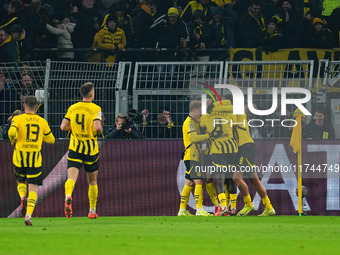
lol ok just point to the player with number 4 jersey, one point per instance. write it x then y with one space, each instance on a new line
81 116
83 119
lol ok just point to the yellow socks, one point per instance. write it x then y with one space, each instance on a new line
212 193
233 198
227 195
31 201
93 194
185 197
266 202
247 200
22 189
199 196
69 186
223 200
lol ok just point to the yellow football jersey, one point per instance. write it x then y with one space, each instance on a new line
221 2
29 131
202 131
221 120
241 133
83 137
192 149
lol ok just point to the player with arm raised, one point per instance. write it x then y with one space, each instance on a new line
83 119
27 132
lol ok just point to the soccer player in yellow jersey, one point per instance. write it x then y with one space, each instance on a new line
246 155
191 158
83 119
27 132
223 150
207 162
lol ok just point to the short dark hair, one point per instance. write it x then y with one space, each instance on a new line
255 2
320 110
17 5
86 89
31 102
152 2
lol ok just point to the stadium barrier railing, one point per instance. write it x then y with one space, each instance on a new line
155 86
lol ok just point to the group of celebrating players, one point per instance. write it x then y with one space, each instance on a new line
228 146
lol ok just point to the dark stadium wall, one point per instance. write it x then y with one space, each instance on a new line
145 177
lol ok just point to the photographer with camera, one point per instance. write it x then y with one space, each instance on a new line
124 129
138 119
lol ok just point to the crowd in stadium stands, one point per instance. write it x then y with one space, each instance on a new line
7 93
116 25
12 96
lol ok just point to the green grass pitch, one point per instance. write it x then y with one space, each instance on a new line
172 235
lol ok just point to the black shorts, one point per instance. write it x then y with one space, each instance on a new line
226 162
246 158
33 175
246 154
192 170
207 161
77 160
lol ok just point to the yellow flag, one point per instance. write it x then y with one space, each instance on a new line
295 140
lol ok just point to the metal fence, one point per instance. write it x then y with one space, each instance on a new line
269 74
56 85
168 86
327 90
330 72
63 80
155 86
263 76
17 80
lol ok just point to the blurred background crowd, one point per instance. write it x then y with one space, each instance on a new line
117 25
